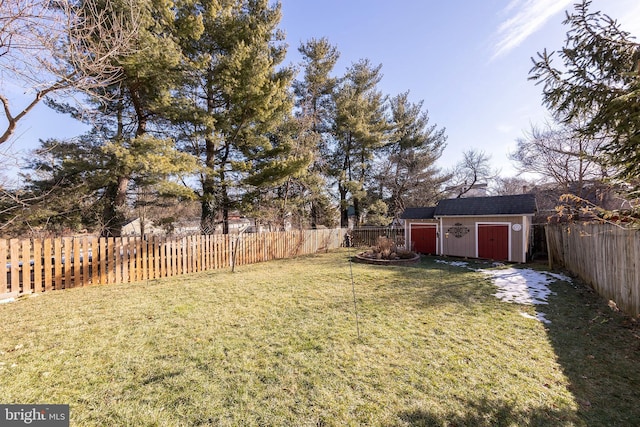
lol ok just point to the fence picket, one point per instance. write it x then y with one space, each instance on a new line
25 263
57 266
14 261
47 265
77 263
37 266
86 261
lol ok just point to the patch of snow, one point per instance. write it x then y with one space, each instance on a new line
539 316
7 300
520 285
453 263
525 286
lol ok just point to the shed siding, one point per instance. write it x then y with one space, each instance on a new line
461 240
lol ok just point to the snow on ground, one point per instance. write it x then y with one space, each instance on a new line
520 285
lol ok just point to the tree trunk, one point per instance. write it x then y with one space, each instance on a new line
344 207
114 211
209 198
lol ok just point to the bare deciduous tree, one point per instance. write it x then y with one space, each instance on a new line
562 155
472 172
61 47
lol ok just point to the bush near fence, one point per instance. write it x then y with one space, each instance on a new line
39 265
605 256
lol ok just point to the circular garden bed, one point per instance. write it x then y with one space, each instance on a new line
362 258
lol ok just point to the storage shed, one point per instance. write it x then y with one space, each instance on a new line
497 227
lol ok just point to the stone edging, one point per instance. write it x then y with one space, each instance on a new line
359 258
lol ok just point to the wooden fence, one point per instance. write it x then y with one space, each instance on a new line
604 256
39 265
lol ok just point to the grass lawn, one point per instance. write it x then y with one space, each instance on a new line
276 344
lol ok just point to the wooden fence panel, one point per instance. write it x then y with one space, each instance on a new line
604 256
64 263
365 237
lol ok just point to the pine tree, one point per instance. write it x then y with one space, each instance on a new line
234 98
126 116
314 112
597 88
407 173
71 181
360 129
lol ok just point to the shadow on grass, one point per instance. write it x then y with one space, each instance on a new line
490 414
597 348
599 351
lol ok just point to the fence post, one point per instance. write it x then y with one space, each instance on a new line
549 249
3 260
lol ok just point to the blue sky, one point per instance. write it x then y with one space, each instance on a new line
467 60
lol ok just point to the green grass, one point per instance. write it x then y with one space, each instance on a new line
276 344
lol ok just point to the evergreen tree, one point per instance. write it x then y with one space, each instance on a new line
314 112
277 191
126 115
360 129
233 99
72 180
408 174
597 88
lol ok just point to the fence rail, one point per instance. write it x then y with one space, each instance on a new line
604 256
40 265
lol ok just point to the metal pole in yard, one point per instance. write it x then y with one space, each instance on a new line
353 290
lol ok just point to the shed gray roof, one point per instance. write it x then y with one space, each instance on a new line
521 204
418 213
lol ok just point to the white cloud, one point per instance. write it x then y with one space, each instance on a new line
524 17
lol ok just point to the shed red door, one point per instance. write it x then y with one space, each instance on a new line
493 242
423 239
